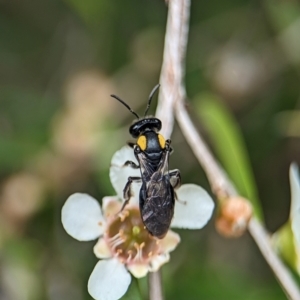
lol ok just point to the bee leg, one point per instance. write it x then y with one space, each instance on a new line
131 164
127 190
175 178
131 144
168 146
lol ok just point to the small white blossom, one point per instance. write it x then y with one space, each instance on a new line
123 242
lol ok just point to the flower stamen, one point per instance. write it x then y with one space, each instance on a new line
139 253
126 232
123 215
129 252
116 240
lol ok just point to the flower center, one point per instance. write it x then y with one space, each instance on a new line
129 240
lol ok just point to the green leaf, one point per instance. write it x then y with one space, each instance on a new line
283 240
229 146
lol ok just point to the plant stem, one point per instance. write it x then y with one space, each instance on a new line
171 97
172 72
222 186
155 287
171 77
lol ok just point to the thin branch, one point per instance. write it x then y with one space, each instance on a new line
155 288
172 72
262 239
219 182
222 186
172 95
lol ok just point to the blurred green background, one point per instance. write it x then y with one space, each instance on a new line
60 61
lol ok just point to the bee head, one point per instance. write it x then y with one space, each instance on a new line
143 125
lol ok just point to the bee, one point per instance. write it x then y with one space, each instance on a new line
152 151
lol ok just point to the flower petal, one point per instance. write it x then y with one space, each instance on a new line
170 241
109 280
193 208
295 203
101 249
82 218
158 261
119 173
111 205
138 270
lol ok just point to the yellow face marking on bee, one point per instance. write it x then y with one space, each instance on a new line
142 142
162 141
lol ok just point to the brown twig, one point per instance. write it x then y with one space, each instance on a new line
262 239
172 72
219 182
171 78
172 96
222 186
155 288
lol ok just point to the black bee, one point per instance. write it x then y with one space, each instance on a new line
157 196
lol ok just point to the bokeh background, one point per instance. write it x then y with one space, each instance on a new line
60 61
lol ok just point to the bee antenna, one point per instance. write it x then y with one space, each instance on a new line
150 98
125 104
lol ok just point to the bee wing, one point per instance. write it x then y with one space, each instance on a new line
145 167
148 172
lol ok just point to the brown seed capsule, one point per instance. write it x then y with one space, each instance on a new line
234 215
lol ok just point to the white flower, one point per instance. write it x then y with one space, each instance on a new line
123 241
